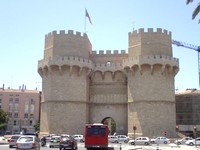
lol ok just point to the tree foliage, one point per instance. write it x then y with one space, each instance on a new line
196 11
3 116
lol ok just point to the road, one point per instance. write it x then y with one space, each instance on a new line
123 147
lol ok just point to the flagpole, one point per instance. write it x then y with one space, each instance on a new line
85 22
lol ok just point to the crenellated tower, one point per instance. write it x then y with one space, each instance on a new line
64 71
150 69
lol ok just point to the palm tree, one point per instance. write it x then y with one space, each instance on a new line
196 11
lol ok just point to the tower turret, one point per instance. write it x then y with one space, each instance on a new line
150 74
64 71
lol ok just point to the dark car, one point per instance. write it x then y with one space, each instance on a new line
68 143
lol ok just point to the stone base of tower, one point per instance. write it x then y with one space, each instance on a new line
152 118
63 117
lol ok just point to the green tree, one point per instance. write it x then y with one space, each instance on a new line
37 127
3 119
3 116
196 11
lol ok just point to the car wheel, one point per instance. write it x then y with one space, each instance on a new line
146 143
125 141
165 142
152 142
10 146
179 143
191 144
49 146
132 143
116 142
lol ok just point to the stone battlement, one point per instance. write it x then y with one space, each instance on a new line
70 60
62 32
152 59
150 30
100 52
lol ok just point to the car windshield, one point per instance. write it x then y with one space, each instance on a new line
15 137
65 138
55 138
26 139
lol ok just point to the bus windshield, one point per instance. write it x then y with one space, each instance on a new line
96 130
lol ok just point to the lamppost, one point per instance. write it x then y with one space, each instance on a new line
134 129
195 132
177 129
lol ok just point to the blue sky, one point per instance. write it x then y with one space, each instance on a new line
24 24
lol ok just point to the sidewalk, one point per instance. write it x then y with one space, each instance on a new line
162 147
3 140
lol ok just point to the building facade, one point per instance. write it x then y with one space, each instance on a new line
134 88
188 111
23 109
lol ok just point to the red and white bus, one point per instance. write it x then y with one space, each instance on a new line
96 136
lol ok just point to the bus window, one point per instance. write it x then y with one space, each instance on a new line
96 130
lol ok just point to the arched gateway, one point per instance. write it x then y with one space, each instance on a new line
82 86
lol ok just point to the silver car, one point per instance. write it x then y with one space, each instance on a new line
140 141
160 140
193 142
55 141
12 141
113 139
123 138
182 141
29 142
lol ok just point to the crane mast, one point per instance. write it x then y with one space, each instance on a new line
190 46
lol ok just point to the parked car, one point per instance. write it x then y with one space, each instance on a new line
113 139
68 143
182 141
193 142
55 141
12 141
78 137
140 141
160 140
123 138
28 142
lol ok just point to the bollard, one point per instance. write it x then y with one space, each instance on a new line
120 147
157 148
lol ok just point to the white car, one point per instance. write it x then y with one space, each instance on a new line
140 141
78 137
193 142
123 138
30 142
160 140
113 139
55 141
182 141
12 141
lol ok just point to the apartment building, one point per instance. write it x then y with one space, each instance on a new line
23 108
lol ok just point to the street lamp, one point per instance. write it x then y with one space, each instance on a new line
195 132
177 129
134 128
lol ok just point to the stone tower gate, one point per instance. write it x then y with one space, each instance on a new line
82 86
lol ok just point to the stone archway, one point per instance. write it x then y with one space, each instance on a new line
111 124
